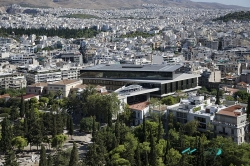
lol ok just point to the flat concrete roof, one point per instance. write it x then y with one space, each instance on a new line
130 67
143 91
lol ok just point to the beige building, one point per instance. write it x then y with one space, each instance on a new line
64 86
38 88
210 79
231 122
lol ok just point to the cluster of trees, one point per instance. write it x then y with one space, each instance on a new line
136 34
64 33
12 92
158 141
42 122
149 144
212 91
241 15
25 124
81 16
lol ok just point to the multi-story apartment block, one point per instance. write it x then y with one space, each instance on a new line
43 76
12 80
210 78
70 73
72 57
228 121
193 108
231 122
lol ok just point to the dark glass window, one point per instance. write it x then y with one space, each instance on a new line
128 75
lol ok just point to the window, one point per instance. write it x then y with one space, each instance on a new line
232 131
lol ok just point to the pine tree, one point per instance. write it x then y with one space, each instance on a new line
146 158
35 133
10 159
93 127
54 129
43 159
138 157
117 130
27 106
74 156
7 135
25 126
217 97
144 129
50 161
248 107
159 134
71 127
22 107
153 156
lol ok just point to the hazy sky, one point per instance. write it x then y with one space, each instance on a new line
245 3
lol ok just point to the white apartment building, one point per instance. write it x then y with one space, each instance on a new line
43 76
12 80
226 121
193 108
70 73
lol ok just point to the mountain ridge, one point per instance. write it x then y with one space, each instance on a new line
114 4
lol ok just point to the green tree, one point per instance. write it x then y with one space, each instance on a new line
10 159
18 129
43 158
138 157
86 124
71 127
7 136
22 107
191 127
248 106
139 133
74 156
58 141
50 161
14 113
173 157
230 98
19 142
217 98
125 116
153 155
169 100
35 133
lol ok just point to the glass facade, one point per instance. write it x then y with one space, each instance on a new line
147 75
164 88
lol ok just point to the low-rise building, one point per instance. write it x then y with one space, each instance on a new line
37 88
231 122
12 80
64 86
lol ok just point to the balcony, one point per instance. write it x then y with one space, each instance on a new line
223 133
231 125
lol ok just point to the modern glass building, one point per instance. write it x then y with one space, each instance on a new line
168 78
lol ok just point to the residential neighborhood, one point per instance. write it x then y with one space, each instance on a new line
161 77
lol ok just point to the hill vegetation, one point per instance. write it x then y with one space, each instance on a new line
235 16
81 16
64 33
158 141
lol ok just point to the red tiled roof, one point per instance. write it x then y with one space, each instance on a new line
4 95
28 96
231 111
139 106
